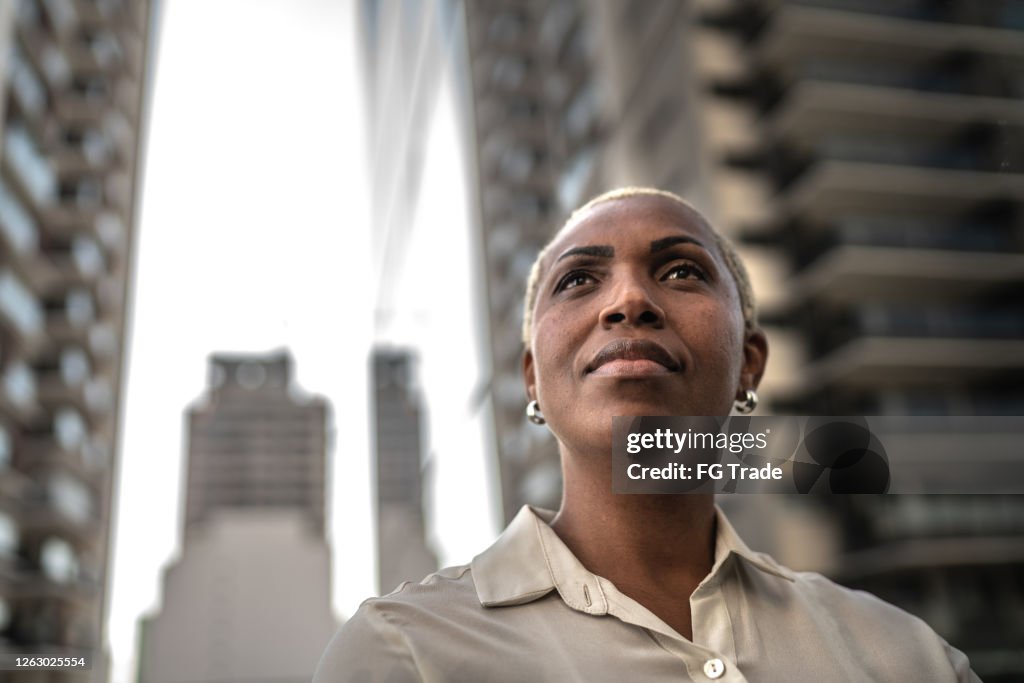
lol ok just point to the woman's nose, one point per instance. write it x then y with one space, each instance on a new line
632 306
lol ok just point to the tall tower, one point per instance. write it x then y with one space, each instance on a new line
249 599
402 552
72 89
405 51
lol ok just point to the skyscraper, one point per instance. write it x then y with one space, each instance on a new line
398 424
868 158
72 86
249 599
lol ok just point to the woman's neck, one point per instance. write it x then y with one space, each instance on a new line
655 548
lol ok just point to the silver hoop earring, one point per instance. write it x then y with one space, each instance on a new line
748 404
533 413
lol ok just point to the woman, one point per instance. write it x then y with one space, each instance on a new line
636 307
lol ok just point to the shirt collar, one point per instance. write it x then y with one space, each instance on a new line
529 560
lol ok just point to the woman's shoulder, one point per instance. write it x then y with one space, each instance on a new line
852 602
437 591
377 638
866 621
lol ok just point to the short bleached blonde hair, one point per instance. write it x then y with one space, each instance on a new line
725 247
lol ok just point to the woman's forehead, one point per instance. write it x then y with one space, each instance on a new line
639 218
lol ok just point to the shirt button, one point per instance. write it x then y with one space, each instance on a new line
714 668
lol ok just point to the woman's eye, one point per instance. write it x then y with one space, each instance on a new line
685 271
574 279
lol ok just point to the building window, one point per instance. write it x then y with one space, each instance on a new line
8 536
62 14
19 385
70 497
88 256
19 305
35 171
18 226
27 87
509 72
58 560
69 428
574 181
55 66
250 375
74 366
5 449
80 309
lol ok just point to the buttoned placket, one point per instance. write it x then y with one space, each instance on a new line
711 656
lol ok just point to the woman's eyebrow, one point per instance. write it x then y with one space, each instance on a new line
666 242
599 251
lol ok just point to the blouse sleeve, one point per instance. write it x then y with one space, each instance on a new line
368 649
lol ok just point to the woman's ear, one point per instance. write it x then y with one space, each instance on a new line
529 378
755 355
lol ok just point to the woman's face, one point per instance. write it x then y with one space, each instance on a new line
636 314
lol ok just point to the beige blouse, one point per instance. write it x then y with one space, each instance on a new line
527 610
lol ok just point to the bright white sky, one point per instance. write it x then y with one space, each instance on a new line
255 235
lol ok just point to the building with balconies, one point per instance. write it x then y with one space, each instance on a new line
869 159
72 86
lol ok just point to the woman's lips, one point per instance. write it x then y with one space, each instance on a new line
630 368
632 358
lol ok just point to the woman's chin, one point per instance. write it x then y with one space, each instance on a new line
646 406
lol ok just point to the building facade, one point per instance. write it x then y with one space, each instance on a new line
398 428
72 91
249 598
869 159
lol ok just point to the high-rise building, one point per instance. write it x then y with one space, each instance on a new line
249 598
869 158
406 48
72 90
398 424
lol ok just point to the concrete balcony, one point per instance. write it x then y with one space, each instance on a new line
43 455
77 160
882 362
33 586
814 109
46 58
55 272
62 222
81 108
55 391
850 274
41 516
63 328
92 14
795 34
831 188
89 59
927 553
